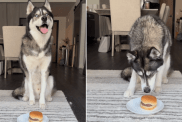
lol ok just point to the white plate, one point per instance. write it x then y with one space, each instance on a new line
25 117
134 106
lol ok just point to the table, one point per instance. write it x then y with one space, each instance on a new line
103 12
149 11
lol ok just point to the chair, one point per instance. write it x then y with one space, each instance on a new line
12 37
1 53
123 15
164 12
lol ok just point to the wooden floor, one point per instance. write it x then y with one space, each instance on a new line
70 80
105 61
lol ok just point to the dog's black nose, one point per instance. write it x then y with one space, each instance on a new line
44 19
146 89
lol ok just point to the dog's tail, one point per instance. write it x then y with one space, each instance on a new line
18 93
126 73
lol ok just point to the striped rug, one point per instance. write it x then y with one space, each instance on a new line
57 111
105 101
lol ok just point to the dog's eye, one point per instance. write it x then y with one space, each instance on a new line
140 73
148 73
46 14
36 15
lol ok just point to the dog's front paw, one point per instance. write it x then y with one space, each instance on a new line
128 93
31 102
42 105
164 80
158 89
25 98
49 99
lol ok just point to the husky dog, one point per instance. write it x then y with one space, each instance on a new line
35 56
149 55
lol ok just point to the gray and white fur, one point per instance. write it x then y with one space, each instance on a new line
35 56
149 55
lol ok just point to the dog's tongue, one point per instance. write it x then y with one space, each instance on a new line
44 30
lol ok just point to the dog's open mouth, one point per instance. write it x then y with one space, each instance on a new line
43 28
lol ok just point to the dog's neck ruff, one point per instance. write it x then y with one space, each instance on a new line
40 39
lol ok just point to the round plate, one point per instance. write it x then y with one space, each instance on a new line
134 106
25 118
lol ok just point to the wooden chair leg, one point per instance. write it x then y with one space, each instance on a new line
9 67
73 56
112 54
5 68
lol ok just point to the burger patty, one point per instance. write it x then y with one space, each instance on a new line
33 119
147 105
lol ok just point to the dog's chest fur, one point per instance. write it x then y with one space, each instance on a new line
35 55
36 80
36 49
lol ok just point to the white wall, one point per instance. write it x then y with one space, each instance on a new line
70 25
66 25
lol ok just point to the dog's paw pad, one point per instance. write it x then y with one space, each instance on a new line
165 80
31 102
42 106
25 99
128 93
49 99
158 89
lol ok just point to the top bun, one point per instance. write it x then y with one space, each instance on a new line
36 115
149 99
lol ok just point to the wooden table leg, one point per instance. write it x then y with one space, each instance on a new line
112 54
5 68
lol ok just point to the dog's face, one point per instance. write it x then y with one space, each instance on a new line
40 19
146 64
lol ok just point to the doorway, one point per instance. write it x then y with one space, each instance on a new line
55 41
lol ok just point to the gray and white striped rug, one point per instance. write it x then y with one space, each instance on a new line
57 111
105 101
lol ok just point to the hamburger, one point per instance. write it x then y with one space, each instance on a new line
148 102
35 116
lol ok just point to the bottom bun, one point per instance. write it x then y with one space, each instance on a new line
147 108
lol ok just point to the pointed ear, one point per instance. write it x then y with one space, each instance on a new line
131 56
154 53
30 7
47 5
